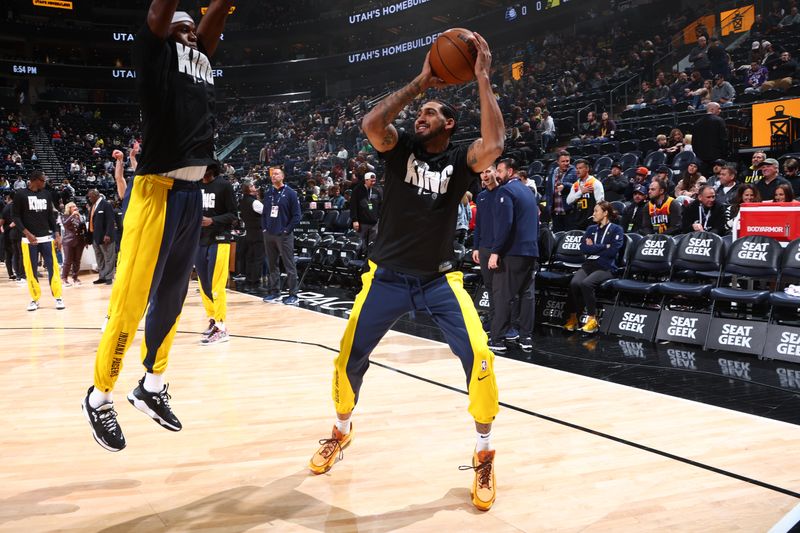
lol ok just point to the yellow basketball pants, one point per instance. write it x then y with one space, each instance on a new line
30 260
162 229
212 263
386 296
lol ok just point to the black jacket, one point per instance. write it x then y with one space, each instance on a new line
716 218
104 222
710 139
365 205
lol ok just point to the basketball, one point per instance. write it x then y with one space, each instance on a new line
453 56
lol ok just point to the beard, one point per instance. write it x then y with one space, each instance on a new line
428 135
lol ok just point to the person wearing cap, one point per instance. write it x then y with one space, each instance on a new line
722 92
640 178
718 164
214 251
281 214
175 88
631 220
365 207
662 213
727 187
615 184
710 137
767 185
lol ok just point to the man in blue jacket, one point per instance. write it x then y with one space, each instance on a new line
484 231
280 216
515 248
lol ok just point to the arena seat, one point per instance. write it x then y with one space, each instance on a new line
697 251
566 259
655 159
650 264
682 161
602 163
790 272
628 160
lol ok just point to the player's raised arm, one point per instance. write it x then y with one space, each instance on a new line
159 18
377 123
484 151
212 24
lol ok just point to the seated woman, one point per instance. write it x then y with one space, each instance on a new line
689 184
746 194
784 193
601 243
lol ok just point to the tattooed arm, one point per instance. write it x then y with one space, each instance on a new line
377 123
483 152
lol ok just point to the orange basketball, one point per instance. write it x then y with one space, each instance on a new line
453 56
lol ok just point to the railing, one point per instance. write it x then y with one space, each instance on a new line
624 87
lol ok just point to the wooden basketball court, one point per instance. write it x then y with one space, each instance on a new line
574 453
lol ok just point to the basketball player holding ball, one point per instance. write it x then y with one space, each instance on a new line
411 265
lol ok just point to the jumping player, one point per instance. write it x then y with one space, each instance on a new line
411 264
175 84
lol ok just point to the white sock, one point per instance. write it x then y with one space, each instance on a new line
153 382
220 325
98 398
484 443
343 426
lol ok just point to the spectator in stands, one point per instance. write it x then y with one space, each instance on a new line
699 57
784 193
791 19
463 218
663 213
561 178
700 97
704 213
584 194
718 59
767 185
606 128
74 167
20 183
661 94
615 184
790 172
756 77
722 92
781 72
769 54
716 168
336 198
67 191
311 191
746 194
548 129
365 208
727 186
483 237
72 243
759 27
601 242
646 96
103 234
281 214
710 136
678 88
632 216
689 185
639 178
589 129
754 174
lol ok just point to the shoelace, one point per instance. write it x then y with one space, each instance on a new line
109 420
329 447
484 471
163 397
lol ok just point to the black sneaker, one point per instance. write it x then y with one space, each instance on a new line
155 405
526 343
98 281
497 346
103 421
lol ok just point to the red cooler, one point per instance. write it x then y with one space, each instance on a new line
781 221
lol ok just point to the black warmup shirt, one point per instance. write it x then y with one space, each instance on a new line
219 204
175 85
420 206
33 211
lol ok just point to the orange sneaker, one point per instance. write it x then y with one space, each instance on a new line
591 325
572 323
483 486
329 451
